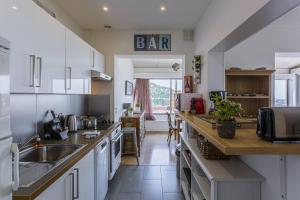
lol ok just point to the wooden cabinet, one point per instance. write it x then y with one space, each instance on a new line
77 182
78 75
137 121
251 88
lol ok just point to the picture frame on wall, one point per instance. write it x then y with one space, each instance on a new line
128 88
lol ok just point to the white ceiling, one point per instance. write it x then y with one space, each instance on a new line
136 14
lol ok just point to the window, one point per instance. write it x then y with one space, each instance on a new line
162 94
281 93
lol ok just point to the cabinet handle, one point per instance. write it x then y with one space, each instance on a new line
16 178
77 183
68 81
32 70
40 61
72 188
93 59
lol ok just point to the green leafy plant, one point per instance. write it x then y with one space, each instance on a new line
226 110
130 109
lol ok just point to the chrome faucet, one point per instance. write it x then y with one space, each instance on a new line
35 139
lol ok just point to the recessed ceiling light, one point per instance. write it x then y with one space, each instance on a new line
162 8
107 26
105 8
14 7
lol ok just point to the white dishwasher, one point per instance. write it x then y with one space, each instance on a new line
101 169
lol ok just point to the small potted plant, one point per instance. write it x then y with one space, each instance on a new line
137 108
130 111
225 113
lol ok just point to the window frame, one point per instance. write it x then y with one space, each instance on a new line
171 95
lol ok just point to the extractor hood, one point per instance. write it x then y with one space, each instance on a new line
99 76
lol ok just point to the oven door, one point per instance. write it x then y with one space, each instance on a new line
115 154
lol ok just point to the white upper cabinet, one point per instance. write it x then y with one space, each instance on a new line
50 53
17 26
78 75
97 61
45 56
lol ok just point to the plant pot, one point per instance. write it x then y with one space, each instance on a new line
130 114
226 129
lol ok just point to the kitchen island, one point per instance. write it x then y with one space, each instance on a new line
37 188
246 142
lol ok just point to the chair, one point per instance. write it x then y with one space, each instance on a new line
131 132
172 129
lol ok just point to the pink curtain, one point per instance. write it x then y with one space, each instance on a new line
142 97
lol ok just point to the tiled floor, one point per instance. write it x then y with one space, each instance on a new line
155 151
154 179
145 183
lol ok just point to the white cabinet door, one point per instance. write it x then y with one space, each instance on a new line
77 183
98 61
78 75
60 190
84 170
17 22
50 52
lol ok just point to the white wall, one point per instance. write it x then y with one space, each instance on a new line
112 43
259 50
63 17
124 73
220 19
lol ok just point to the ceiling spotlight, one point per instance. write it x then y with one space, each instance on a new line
107 26
162 8
14 7
105 8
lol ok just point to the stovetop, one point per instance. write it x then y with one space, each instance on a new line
104 124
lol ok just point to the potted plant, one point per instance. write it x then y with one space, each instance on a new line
137 108
225 112
130 111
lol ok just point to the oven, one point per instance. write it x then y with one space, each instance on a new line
115 151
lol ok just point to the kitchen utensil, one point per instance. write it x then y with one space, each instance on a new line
72 123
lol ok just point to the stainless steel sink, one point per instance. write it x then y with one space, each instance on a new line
36 162
48 153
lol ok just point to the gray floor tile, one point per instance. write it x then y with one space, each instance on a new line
131 186
168 168
152 183
152 193
173 196
129 196
152 172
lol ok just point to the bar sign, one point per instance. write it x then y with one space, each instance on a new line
153 42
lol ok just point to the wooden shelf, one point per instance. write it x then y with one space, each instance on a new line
248 97
246 142
250 72
250 82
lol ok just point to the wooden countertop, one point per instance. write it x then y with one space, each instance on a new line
42 184
135 115
246 142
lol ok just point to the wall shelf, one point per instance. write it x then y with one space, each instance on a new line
249 82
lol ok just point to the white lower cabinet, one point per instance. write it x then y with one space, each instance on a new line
76 183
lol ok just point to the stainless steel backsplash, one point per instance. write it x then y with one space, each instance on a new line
28 111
